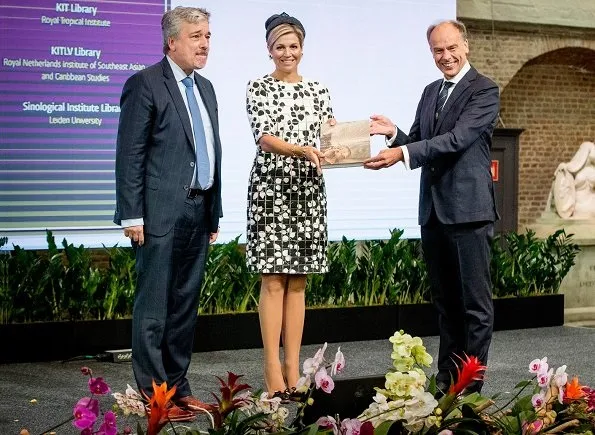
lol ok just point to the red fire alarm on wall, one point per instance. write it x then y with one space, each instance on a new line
494 169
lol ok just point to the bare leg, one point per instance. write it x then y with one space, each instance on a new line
270 312
294 310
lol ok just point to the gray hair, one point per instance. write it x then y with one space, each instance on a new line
282 30
457 24
172 20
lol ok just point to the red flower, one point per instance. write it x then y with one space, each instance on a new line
472 370
367 429
159 407
573 391
590 396
228 401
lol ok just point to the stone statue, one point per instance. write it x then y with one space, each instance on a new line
573 190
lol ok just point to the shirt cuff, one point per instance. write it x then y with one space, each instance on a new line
405 156
389 142
132 222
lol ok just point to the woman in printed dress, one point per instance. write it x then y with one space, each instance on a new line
287 224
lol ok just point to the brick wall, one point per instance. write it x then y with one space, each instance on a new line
546 76
555 104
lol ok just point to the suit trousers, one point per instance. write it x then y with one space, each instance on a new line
458 261
170 271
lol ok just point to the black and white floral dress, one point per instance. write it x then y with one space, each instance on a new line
286 231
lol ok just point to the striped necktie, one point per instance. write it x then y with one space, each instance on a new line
442 97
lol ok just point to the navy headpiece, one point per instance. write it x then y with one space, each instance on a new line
282 18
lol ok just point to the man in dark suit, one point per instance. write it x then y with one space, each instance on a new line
450 140
168 199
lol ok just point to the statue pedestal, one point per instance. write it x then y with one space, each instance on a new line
578 286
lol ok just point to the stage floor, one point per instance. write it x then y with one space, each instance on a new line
37 395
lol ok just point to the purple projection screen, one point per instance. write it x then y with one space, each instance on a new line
63 68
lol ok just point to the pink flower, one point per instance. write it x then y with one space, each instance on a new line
351 426
98 386
109 426
324 381
538 365
543 378
311 364
339 363
319 356
303 382
532 428
86 371
327 423
85 413
590 396
445 432
538 400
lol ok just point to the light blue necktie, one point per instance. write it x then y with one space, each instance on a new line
203 168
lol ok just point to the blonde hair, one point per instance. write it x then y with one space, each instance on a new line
282 30
171 22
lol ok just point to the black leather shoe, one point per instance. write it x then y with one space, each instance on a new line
283 395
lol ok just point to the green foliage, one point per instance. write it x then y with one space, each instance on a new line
227 285
65 284
524 265
382 272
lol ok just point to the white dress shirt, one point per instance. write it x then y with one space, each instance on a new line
456 79
180 75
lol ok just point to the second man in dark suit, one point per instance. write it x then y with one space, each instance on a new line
168 199
450 140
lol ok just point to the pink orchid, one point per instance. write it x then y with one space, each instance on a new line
327 423
109 426
532 428
98 386
351 426
339 363
303 383
445 432
85 413
324 381
311 364
319 356
543 378
538 400
538 366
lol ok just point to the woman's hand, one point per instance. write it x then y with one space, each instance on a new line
314 155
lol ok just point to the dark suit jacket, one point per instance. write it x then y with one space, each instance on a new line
155 150
454 151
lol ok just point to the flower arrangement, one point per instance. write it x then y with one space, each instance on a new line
551 402
407 405
236 410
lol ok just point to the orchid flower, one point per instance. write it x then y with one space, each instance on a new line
339 363
538 365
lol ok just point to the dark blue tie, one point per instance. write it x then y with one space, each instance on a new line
202 168
442 97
